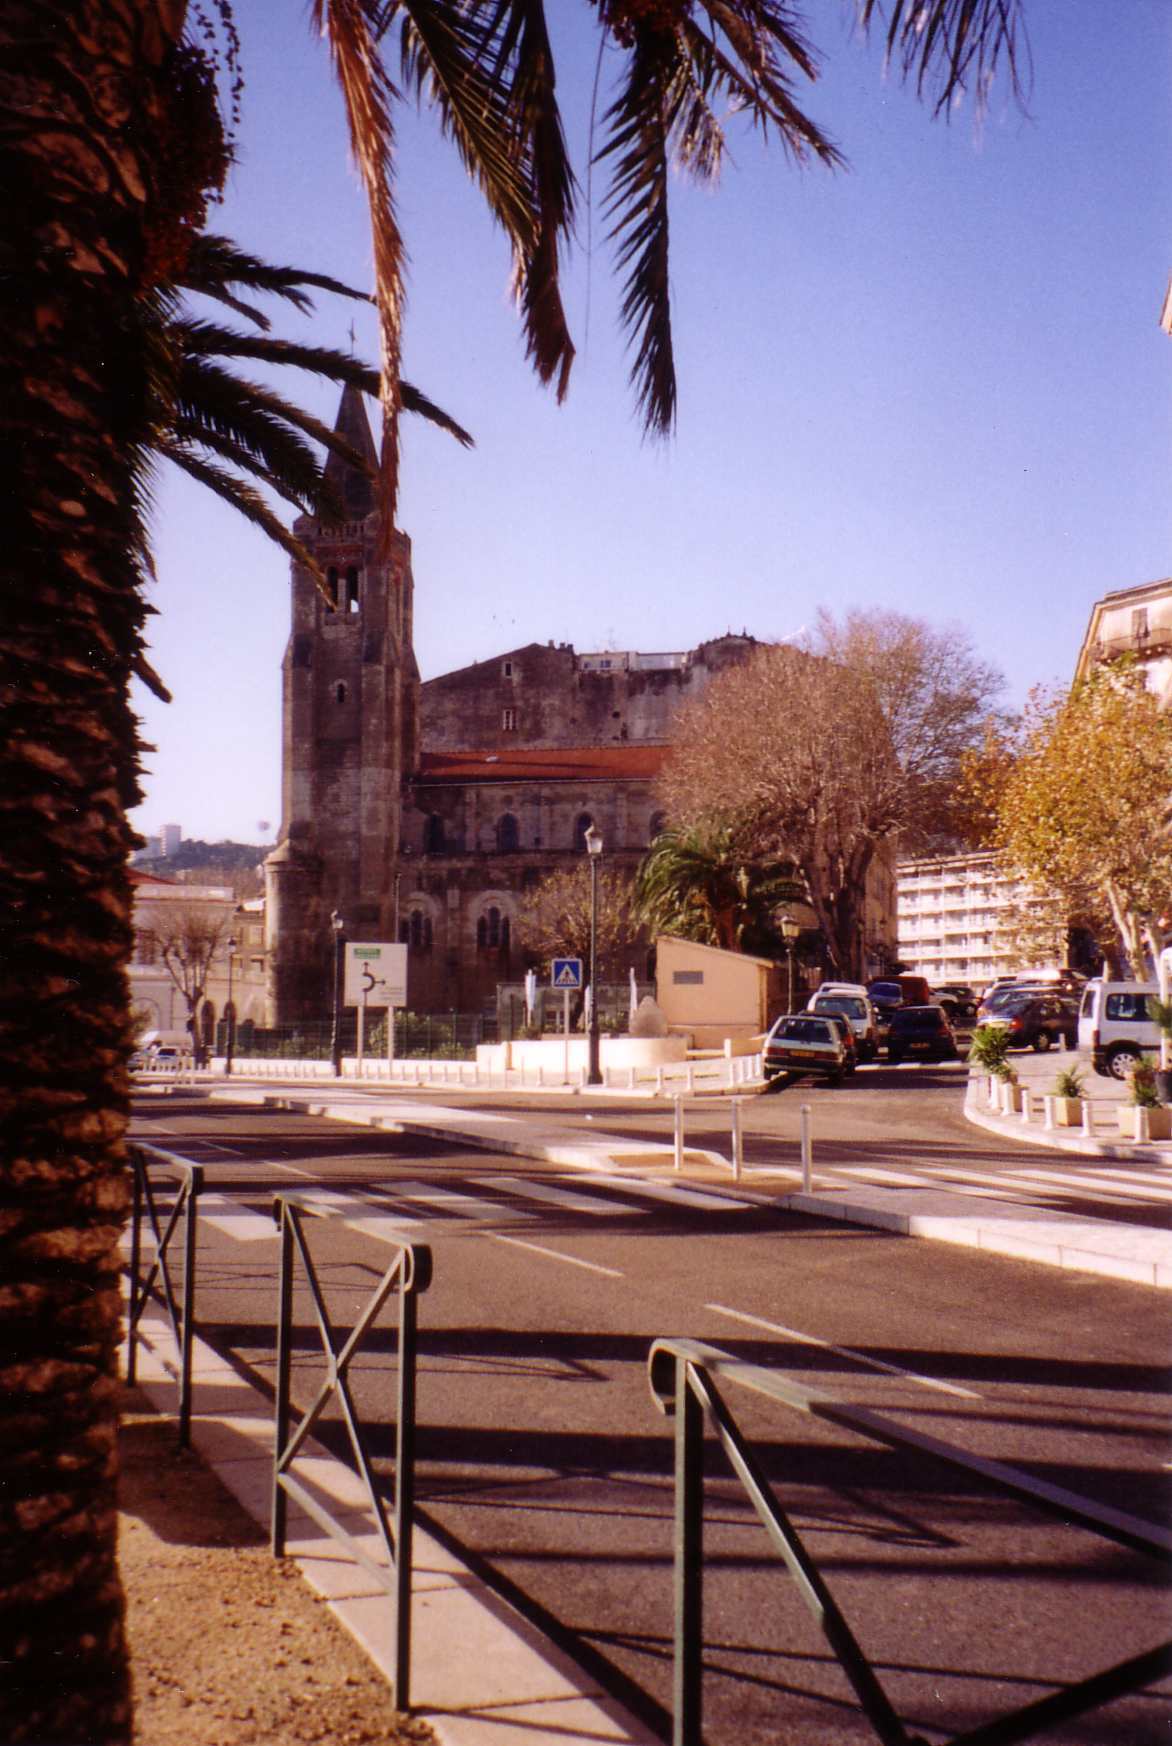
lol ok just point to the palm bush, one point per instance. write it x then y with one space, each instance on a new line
989 1050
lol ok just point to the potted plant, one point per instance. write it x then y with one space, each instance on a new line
1155 1122
989 1050
1161 1011
1066 1099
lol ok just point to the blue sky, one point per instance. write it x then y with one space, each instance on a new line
934 381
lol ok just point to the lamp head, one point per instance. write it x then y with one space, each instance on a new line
593 841
336 921
788 927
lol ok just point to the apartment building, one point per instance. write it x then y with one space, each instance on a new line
961 918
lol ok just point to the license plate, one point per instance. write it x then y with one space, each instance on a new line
802 1054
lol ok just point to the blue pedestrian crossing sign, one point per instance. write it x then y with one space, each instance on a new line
566 973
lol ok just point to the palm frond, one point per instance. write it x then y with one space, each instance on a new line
215 264
254 417
638 125
954 45
750 73
208 339
306 488
489 72
249 503
369 94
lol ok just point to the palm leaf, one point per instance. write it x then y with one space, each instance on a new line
215 263
248 502
954 45
638 125
368 93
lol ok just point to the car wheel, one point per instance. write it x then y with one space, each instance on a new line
894 1057
1042 1042
834 1078
1121 1059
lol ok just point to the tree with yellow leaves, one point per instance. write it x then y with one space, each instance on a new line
1084 810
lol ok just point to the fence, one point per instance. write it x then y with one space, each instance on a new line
180 1308
408 1275
683 1375
716 1074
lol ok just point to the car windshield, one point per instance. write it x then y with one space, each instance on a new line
918 1018
850 1007
885 991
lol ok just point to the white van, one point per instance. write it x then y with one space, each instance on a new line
1115 1025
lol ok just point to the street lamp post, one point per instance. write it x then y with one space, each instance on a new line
339 928
593 850
230 1040
789 929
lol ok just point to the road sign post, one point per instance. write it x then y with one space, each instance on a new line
566 974
376 975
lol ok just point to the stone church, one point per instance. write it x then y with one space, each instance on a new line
425 812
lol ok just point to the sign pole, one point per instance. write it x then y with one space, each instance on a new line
361 1030
566 1034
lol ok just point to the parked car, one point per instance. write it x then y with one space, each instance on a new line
1034 1021
856 1009
958 1000
806 1043
885 996
1115 1025
920 1031
847 1037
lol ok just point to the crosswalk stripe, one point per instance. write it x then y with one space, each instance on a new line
451 1203
567 1199
672 1192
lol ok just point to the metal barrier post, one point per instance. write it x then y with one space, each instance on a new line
407 1276
180 1308
807 1160
688 1567
678 1131
737 1144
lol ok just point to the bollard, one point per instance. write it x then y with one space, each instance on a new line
806 1158
737 1151
678 1135
1088 1118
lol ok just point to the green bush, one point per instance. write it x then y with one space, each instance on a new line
1068 1083
989 1050
1141 1084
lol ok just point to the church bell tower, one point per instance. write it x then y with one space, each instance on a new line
350 696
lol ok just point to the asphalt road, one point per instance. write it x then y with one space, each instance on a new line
543 1457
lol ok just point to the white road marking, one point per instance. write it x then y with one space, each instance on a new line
554 1254
224 1215
450 1203
566 1198
669 1191
721 1309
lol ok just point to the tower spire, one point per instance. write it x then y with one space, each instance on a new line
354 488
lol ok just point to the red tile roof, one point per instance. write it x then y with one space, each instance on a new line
544 764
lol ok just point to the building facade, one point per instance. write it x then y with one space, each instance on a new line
427 813
1133 621
963 918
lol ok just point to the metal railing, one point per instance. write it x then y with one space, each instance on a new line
683 1375
408 1275
180 1308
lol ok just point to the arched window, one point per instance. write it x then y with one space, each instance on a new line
332 588
340 691
508 834
351 589
488 930
580 829
207 1023
419 931
433 835
657 826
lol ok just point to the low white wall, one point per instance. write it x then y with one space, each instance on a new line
550 1052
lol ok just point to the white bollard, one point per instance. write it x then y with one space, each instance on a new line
1088 1118
807 1159
678 1133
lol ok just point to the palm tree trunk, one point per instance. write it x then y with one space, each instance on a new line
80 94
